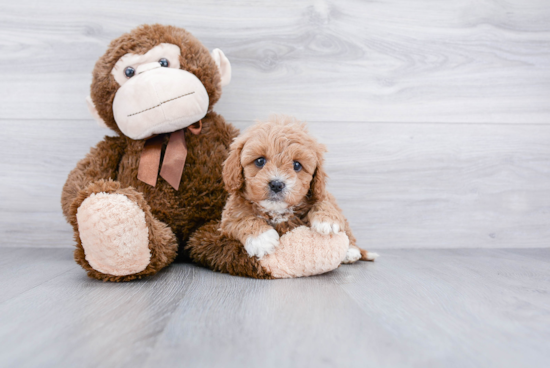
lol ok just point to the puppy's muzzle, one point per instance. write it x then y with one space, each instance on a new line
276 186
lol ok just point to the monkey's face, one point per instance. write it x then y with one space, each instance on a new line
156 79
155 95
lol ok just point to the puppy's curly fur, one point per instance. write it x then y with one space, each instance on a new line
293 158
276 182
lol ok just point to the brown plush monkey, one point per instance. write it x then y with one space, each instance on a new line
155 87
156 188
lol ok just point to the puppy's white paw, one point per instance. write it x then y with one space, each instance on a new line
353 255
325 228
372 256
263 244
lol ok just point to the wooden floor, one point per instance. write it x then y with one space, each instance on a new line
413 308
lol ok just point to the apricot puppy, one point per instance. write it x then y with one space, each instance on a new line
276 181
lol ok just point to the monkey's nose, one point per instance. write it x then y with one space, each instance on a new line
276 186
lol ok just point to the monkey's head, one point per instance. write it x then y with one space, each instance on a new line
156 79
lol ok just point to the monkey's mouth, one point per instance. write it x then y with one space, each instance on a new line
159 101
160 104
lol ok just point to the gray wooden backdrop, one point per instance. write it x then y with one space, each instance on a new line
436 113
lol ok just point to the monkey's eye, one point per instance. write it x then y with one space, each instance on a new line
297 166
129 72
164 62
259 162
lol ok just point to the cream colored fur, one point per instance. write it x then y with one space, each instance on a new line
372 256
93 111
159 99
263 244
352 255
223 66
304 252
164 50
114 234
325 228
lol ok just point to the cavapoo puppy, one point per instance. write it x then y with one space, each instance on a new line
279 221
276 180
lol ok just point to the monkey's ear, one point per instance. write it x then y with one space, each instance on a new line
94 113
223 66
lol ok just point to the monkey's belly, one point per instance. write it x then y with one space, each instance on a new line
199 200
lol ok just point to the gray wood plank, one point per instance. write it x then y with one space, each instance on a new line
344 60
400 185
22 269
458 308
433 185
236 322
532 254
422 308
74 321
34 169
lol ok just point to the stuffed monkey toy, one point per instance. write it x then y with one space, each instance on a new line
134 200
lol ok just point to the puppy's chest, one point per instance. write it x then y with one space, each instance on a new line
286 221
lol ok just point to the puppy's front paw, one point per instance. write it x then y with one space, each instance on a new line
352 255
263 244
325 228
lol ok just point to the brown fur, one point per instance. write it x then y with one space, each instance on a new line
281 141
219 246
195 58
209 248
162 242
172 216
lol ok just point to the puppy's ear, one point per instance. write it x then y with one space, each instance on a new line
233 176
318 183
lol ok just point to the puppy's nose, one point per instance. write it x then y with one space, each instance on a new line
276 186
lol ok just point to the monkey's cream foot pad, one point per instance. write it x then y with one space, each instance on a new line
114 234
305 252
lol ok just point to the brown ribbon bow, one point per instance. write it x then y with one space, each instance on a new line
174 157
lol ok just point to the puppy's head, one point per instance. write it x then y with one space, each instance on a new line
276 164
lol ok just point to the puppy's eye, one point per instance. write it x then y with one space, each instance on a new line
297 166
164 62
259 162
129 72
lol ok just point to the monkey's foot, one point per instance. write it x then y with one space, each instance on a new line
305 252
114 234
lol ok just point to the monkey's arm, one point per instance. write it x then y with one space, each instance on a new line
100 164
